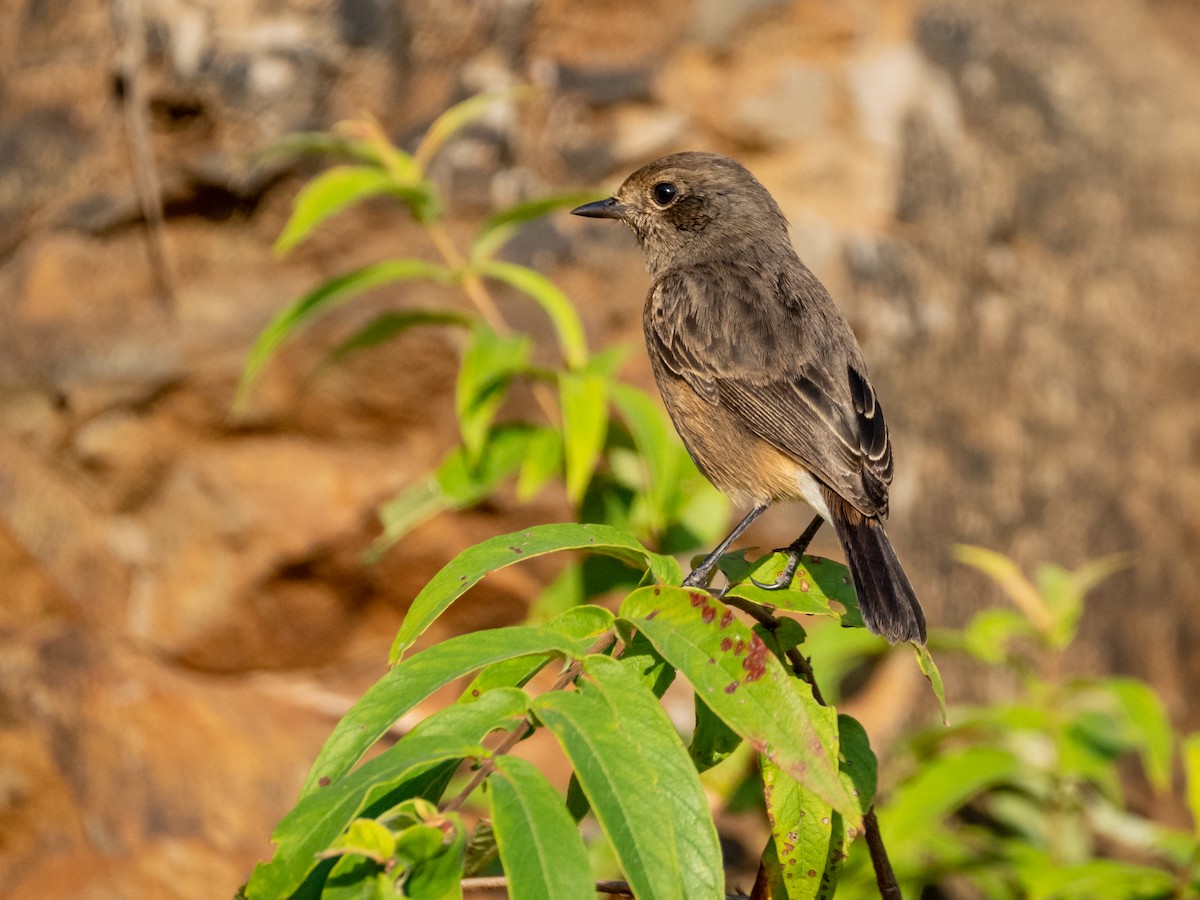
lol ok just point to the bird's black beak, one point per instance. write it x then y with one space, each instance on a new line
601 209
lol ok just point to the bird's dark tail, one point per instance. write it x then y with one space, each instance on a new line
889 605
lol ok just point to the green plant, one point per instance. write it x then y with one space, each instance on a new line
393 825
625 469
1026 798
377 824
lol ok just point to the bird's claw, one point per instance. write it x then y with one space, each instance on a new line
784 579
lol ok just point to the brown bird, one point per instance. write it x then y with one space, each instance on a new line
760 371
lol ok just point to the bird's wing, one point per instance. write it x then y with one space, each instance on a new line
786 364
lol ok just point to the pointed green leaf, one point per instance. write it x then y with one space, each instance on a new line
316 821
859 768
657 449
411 681
460 115
331 293
468 568
356 878
543 460
439 876
322 142
930 670
1149 725
809 836
1191 770
388 325
366 837
939 789
735 673
455 485
639 781
581 623
500 228
553 301
540 846
465 483
334 190
682 801
713 740
488 365
584 399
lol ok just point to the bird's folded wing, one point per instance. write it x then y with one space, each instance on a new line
822 413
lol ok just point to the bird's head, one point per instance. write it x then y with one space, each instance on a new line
692 207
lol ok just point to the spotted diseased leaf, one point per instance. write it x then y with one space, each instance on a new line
735 673
809 836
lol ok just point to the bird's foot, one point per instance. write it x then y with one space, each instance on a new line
794 550
784 579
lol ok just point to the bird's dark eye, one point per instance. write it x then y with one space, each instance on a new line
664 193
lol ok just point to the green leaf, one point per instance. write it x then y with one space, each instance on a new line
930 670
735 673
411 681
940 788
817 581
987 637
540 847
468 568
487 367
1102 878
466 483
580 623
322 142
331 293
657 449
388 325
316 821
553 301
1008 575
502 226
460 115
1149 726
683 804
366 837
584 399
543 460
1191 769
356 878
439 877
639 781
809 836
455 485
337 188
713 740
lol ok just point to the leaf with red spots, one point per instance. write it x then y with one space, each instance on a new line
809 836
745 685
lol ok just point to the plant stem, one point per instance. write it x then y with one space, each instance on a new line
479 295
619 888
524 728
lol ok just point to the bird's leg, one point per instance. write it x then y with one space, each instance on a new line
699 575
794 550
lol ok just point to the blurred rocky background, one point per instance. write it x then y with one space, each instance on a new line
1004 196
